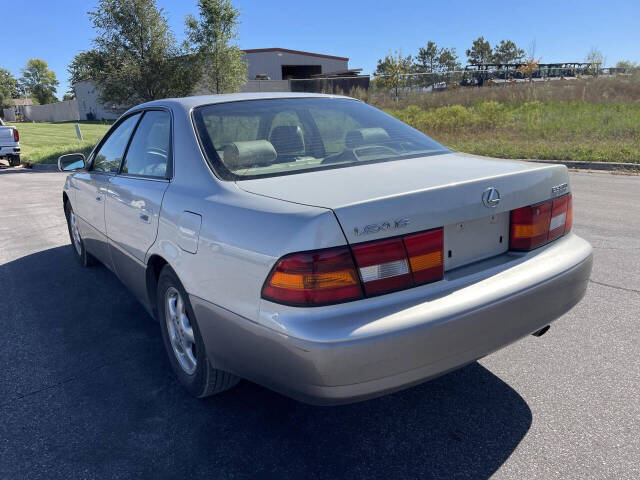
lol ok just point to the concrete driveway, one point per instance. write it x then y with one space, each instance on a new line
86 391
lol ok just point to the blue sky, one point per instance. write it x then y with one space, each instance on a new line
359 29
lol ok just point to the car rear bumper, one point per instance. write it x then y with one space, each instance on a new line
9 150
367 348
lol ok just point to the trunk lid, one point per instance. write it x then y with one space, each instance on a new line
398 197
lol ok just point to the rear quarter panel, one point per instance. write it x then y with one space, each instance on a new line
241 237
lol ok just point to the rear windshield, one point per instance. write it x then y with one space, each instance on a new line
264 138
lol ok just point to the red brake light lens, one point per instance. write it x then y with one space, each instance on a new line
383 266
536 225
16 135
425 255
313 278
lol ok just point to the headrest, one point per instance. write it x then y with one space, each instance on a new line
254 153
366 136
287 139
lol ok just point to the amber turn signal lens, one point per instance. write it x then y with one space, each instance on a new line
313 278
305 281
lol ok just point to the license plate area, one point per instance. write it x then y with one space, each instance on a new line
468 242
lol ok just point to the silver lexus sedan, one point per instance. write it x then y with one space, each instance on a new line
318 246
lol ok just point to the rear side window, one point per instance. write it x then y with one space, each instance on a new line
148 154
111 152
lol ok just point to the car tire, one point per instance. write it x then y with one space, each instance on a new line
14 160
77 244
183 341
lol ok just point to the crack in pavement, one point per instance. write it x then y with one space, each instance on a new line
615 286
78 376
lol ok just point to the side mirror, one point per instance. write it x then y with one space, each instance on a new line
71 162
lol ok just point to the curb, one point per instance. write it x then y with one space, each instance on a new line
42 167
607 166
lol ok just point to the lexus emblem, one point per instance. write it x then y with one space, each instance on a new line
491 197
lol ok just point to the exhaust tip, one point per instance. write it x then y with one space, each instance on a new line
542 331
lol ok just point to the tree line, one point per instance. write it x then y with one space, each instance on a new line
135 56
434 59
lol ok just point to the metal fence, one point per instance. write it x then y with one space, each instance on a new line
434 81
330 84
266 86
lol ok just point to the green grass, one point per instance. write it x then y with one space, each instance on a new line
553 130
45 142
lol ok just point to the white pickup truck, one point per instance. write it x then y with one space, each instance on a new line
9 144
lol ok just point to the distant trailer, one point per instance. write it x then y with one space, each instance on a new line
480 73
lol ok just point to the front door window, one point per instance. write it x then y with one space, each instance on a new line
108 158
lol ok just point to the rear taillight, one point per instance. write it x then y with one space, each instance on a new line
16 135
383 266
398 263
536 225
425 255
314 278
530 226
329 276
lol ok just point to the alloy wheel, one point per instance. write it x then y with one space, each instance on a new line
75 233
180 331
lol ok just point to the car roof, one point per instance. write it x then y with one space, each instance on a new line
187 103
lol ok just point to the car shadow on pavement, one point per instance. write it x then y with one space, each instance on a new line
89 390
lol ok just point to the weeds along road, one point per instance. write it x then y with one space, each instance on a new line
86 391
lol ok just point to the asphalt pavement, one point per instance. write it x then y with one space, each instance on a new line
86 390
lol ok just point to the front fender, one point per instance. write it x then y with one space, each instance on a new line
69 190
